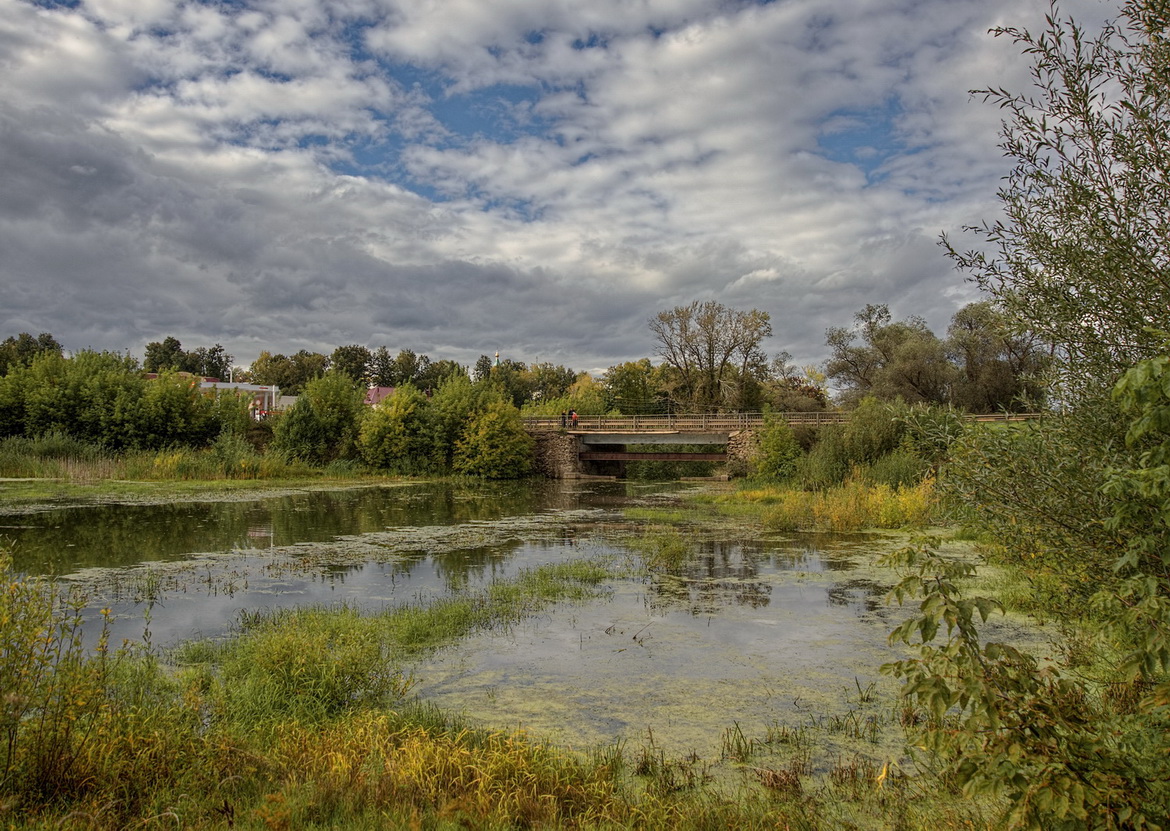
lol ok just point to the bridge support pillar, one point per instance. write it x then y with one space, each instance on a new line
556 454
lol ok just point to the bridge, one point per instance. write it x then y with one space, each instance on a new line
702 422
598 444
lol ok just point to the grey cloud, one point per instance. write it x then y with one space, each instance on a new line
158 185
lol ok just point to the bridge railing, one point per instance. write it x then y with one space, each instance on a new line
699 422
683 422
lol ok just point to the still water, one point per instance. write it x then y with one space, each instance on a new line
751 631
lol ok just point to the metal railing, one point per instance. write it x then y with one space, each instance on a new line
711 422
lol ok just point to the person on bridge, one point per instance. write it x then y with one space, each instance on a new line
573 417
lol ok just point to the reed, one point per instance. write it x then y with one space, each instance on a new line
852 506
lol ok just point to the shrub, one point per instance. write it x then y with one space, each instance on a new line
874 429
324 423
53 690
393 436
779 450
901 468
495 445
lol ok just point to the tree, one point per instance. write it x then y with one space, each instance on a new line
213 362
483 368
406 367
495 445
290 374
512 380
433 373
779 450
715 351
382 368
1081 259
632 388
20 350
353 360
165 354
1082 255
547 381
323 424
900 359
394 436
791 390
1000 368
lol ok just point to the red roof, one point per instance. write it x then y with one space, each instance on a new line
376 395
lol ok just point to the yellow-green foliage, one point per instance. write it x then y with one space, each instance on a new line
470 778
852 506
53 690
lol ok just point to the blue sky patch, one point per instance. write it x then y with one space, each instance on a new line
865 139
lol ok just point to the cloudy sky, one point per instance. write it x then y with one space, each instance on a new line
457 177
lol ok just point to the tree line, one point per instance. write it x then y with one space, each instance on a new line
711 361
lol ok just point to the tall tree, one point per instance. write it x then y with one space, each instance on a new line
290 373
634 387
549 382
21 349
483 368
715 350
353 360
382 373
888 359
433 373
1001 369
165 354
210 362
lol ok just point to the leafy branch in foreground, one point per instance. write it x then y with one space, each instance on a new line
1060 751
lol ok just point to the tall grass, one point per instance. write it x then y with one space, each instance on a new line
231 457
852 506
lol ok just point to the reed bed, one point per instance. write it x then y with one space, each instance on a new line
854 505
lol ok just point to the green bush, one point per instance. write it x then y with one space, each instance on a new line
779 450
394 435
324 423
901 468
827 463
495 445
53 689
874 429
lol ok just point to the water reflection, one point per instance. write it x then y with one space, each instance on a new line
65 540
718 574
861 595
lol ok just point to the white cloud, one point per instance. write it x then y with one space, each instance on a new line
285 175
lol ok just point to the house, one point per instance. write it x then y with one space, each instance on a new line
376 395
265 397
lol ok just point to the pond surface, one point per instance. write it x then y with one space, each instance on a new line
750 631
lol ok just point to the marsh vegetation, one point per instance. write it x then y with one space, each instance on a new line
439 655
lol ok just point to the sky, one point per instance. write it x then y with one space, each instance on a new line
461 177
